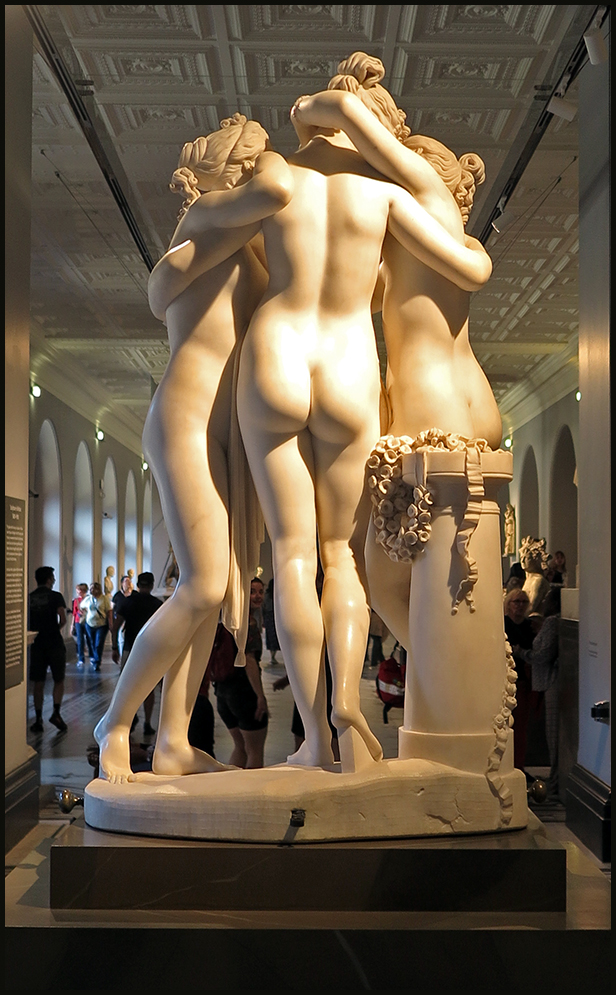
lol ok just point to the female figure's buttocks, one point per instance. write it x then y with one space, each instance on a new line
305 371
433 377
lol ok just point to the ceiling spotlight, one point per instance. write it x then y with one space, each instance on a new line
562 108
100 435
145 465
578 395
503 221
504 218
508 442
35 390
595 46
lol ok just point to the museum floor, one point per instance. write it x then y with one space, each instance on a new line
64 764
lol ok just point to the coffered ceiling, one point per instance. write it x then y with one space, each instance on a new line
118 89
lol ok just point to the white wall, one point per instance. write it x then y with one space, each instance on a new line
542 434
74 432
594 475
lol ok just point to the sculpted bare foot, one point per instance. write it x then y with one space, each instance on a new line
114 756
185 759
307 757
359 747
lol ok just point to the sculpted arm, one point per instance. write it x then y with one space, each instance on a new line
188 260
217 225
340 110
419 233
269 189
343 111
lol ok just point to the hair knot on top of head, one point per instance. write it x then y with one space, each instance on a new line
220 159
361 74
367 69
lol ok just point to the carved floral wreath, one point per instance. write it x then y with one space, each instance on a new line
401 513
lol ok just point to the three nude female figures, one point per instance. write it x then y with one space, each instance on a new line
267 290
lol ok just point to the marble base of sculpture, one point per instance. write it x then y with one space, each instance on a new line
397 798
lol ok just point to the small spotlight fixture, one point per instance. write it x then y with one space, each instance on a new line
562 108
508 442
578 395
100 435
595 46
503 221
145 465
35 390
504 218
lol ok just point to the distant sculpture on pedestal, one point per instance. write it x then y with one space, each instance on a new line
534 559
108 580
362 208
172 573
509 547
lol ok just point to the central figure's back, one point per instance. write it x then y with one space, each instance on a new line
308 402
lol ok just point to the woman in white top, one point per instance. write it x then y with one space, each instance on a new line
97 613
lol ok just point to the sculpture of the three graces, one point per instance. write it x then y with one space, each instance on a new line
272 407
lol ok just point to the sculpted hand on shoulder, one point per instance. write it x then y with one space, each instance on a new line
344 111
217 224
425 218
258 195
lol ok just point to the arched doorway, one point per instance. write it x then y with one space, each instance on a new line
45 504
83 518
564 502
109 554
529 498
130 525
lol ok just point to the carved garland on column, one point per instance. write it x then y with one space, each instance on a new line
503 722
402 519
402 514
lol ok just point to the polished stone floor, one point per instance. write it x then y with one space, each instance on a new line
64 764
87 692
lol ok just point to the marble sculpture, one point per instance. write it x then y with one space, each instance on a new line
272 405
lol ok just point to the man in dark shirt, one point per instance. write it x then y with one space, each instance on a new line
119 598
133 613
47 617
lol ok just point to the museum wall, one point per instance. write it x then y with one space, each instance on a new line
543 490
18 134
594 433
89 499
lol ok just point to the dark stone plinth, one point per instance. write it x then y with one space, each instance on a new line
519 871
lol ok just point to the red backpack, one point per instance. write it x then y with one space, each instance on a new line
390 683
221 664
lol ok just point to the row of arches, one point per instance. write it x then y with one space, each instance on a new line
74 549
562 502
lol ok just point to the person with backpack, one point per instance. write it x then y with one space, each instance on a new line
240 700
47 617
390 680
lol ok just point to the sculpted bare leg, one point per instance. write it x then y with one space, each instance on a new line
390 588
191 472
173 754
282 471
343 516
